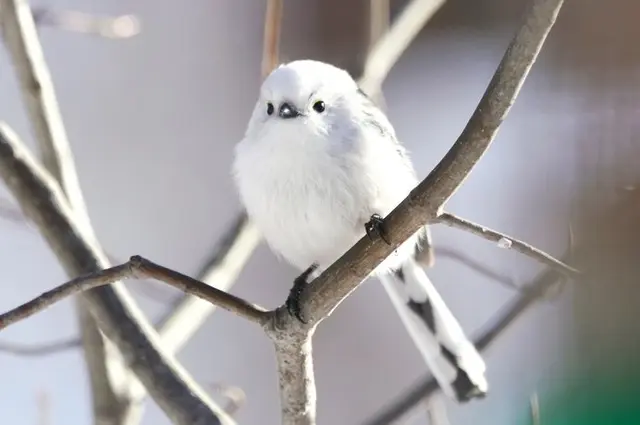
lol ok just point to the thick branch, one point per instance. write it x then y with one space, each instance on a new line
424 203
507 242
428 386
119 317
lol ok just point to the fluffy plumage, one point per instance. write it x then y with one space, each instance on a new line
310 178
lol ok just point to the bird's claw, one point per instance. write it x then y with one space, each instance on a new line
375 228
293 300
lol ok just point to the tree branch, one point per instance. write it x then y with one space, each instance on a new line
477 266
137 267
428 386
425 202
39 349
386 51
110 381
507 242
118 316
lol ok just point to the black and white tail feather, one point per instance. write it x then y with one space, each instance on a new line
317 162
451 357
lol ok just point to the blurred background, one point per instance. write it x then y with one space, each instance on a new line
153 121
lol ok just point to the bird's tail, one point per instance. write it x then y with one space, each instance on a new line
451 357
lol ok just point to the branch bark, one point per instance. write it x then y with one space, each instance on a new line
507 242
118 316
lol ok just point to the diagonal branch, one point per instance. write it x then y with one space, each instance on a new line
110 381
118 316
506 241
137 267
425 202
386 51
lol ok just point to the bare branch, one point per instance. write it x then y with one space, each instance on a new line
271 42
424 203
119 317
507 242
63 291
477 267
386 51
110 383
531 293
21 39
136 267
295 375
116 27
39 349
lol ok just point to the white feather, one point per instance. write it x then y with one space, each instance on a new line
311 183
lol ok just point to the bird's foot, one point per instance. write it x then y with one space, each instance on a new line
293 300
375 228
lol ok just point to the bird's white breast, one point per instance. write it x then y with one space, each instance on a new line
308 204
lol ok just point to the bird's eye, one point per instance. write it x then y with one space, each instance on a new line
270 108
319 106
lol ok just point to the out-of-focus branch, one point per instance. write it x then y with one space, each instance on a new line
21 39
221 270
111 383
118 316
271 41
39 349
116 27
530 294
477 266
507 242
388 49
137 267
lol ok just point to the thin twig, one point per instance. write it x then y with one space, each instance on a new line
507 242
530 294
387 50
477 266
39 349
42 200
136 267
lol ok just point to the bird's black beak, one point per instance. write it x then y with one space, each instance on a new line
287 111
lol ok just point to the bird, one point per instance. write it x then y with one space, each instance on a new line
318 168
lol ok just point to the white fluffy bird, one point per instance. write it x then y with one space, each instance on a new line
318 162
